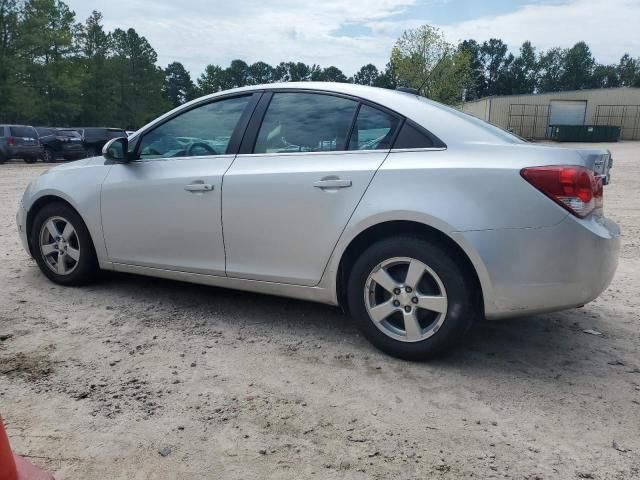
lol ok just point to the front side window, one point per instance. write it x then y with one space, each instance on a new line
202 131
305 122
374 130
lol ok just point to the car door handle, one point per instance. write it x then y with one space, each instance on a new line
199 187
332 183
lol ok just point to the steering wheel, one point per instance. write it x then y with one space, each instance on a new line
202 145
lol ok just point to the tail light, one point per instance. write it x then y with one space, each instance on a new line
11 142
574 188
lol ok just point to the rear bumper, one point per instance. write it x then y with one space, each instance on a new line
535 270
26 151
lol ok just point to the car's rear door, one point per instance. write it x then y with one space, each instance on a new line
291 190
163 210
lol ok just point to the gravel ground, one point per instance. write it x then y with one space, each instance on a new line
136 378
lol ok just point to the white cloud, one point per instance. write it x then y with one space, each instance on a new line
199 32
610 27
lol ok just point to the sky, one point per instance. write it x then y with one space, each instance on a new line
352 33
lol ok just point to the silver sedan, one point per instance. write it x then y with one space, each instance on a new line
415 218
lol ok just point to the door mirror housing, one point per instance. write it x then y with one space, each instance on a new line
116 150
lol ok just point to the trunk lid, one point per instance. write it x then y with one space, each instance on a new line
599 160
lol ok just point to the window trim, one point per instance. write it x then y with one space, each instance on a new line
253 129
236 135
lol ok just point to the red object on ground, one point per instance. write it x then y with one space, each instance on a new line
14 467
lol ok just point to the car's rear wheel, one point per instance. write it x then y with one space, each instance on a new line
2 158
410 297
62 246
92 152
30 159
48 155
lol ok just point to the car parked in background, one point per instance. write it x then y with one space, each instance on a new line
412 216
60 142
94 138
19 141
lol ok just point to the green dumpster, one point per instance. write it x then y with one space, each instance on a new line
584 133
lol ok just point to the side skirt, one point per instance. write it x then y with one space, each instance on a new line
313 294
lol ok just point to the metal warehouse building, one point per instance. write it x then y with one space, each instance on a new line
530 115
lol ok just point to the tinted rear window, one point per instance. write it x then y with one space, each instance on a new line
43 132
411 137
23 132
116 133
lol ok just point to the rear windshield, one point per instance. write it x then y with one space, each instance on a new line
23 132
43 132
116 133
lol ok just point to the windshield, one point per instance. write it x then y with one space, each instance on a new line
504 135
43 132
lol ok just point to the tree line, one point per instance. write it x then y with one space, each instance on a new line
56 71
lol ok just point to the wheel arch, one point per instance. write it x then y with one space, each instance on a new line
390 228
38 205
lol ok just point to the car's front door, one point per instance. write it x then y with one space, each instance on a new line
286 203
163 209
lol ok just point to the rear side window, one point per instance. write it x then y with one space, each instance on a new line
374 130
23 132
411 137
305 122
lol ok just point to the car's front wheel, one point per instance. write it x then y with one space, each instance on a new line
62 246
410 297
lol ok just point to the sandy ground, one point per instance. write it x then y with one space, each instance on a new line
95 382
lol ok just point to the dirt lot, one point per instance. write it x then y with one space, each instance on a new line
96 382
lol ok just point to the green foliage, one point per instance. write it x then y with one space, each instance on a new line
56 71
178 86
367 75
424 60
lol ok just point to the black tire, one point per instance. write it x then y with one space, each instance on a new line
86 267
460 309
92 152
2 158
48 156
30 159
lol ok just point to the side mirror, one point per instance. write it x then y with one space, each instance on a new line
116 150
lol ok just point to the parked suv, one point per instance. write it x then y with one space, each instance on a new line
58 142
94 138
19 141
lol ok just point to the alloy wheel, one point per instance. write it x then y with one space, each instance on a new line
405 299
59 245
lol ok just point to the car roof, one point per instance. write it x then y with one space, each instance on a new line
447 123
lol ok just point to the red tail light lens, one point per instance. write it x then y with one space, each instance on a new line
10 141
574 188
